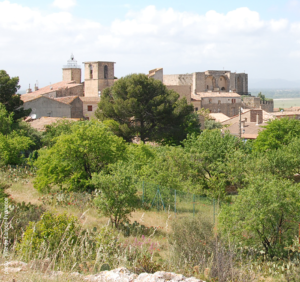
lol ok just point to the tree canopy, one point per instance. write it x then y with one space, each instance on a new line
75 156
8 97
277 133
144 107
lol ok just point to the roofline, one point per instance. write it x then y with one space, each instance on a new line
98 62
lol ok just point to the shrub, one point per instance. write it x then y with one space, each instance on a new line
48 235
264 215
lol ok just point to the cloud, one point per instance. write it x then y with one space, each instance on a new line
36 43
64 4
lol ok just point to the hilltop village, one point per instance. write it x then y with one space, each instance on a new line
221 92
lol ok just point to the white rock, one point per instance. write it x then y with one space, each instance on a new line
14 263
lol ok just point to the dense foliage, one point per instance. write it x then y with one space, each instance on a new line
74 157
145 107
9 97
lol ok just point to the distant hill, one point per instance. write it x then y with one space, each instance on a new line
273 84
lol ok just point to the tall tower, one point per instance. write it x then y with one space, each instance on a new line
97 77
72 71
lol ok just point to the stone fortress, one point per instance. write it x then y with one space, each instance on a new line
219 91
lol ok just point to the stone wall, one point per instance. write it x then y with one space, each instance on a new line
182 90
47 107
70 74
229 110
69 91
178 79
254 114
76 108
157 74
89 101
267 106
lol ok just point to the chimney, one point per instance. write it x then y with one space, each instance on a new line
36 88
257 119
29 90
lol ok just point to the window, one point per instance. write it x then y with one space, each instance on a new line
105 72
233 101
209 101
196 109
91 71
90 108
223 88
207 87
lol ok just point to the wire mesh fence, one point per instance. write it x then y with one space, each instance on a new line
168 199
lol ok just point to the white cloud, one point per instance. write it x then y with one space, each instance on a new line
37 44
64 4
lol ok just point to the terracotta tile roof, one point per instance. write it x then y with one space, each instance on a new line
66 99
288 113
48 89
40 124
218 117
251 129
214 94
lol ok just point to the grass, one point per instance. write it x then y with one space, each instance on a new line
286 103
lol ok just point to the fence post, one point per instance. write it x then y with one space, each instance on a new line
194 205
214 203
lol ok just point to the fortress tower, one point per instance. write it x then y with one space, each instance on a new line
98 76
72 71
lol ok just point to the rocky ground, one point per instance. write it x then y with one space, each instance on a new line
15 271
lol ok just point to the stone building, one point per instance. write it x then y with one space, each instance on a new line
44 106
72 98
218 91
97 77
256 102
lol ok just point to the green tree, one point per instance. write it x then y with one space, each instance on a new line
261 96
264 215
8 97
74 157
118 196
277 133
12 148
145 107
212 124
213 153
13 143
54 130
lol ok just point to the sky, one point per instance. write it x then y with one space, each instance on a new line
261 38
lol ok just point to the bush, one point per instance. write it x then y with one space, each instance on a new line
264 215
48 235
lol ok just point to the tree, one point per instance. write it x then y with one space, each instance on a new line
145 107
265 215
261 96
213 153
212 124
118 196
13 143
9 98
277 133
74 157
